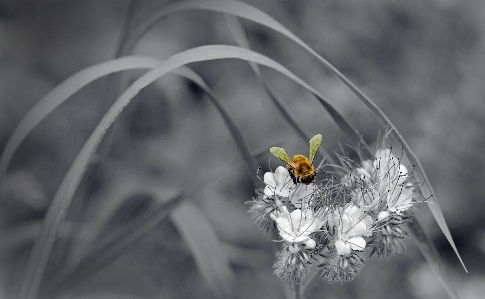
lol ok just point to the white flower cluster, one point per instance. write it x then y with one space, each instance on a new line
332 222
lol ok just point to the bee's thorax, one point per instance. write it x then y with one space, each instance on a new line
303 169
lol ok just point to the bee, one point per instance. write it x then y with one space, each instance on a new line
300 167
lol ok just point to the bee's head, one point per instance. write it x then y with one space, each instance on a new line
308 179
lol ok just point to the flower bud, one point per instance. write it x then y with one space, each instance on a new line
309 244
383 215
294 248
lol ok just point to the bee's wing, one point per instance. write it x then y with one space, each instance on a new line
281 154
314 145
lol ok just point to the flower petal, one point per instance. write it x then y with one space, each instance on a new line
284 224
357 243
363 173
368 221
276 184
318 223
343 248
286 236
309 244
296 217
301 238
306 227
269 179
351 209
367 166
282 192
383 215
345 223
269 191
301 195
282 176
359 229
403 174
405 197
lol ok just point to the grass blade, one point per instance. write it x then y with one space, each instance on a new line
230 7
238 34
430 253
211 261
253 14
111 247
61 93
251 164
248 12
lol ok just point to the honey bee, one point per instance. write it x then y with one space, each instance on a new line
300 167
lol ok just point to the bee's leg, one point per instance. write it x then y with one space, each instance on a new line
293 177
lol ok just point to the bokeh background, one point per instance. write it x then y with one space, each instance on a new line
422 62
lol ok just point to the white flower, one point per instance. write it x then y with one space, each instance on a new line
302 195
352 226
389 170
380 181
296 226
391 181
277 183
399 200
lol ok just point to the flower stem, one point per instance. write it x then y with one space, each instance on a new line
313 274
298 291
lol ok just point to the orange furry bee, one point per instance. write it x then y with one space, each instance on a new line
300 167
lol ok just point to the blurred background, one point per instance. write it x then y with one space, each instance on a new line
423 64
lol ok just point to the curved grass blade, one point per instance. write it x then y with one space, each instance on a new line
62 92
433 258
70 86
127 25
111 247
248 12
211 261
61 202
240 37
339 119
230 7
251 164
